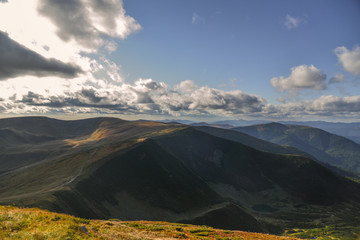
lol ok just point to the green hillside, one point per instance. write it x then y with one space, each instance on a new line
171 172
16 223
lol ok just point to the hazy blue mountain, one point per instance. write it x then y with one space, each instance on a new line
348 130
240 122
326 147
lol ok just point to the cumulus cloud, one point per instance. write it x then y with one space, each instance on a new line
186 86
301 77
206 98
350 60
293 22
338 78
145 96
335 104
17 60
87 21
327 105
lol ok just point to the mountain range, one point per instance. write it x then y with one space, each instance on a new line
348 130
324 146
142 170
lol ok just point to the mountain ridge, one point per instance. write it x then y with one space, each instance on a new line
157 171
326 147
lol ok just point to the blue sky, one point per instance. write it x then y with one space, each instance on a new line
200 60
246 42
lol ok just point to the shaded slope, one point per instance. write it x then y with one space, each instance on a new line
146 182
13 137
50 127
221 161
149 174
326 147
142 181
251 141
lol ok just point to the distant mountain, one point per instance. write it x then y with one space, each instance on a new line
326 147
198 124
239 122
348 130
178 121
251 141
144 170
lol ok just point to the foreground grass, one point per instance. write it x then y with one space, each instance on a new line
30 223
337 231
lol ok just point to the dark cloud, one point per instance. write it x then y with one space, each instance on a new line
17 60
144 98
3 1
72 21
91 95
72 100
32 98
87 22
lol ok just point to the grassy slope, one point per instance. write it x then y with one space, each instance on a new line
245 168
16 223
111 130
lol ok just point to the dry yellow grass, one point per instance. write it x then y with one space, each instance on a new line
30 223
95 136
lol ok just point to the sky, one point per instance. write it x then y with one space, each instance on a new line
201 60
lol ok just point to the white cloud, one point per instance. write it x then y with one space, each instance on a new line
324 106
111 46
293 22
301 77
186 86
338 78
145 96
350 60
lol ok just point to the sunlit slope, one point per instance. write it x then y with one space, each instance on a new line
27 140
33 223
